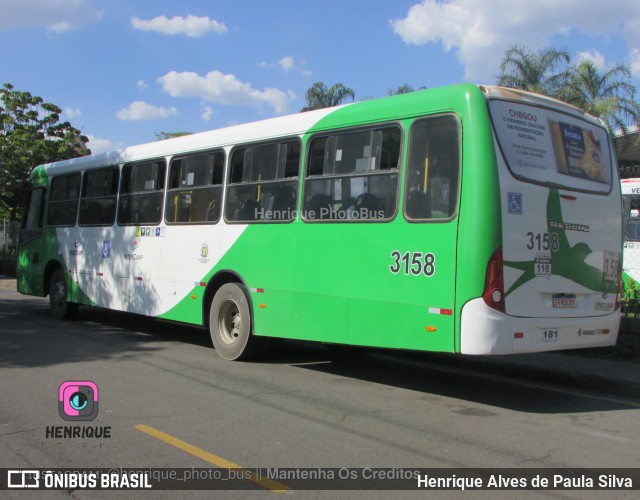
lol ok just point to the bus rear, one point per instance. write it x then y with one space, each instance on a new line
554 282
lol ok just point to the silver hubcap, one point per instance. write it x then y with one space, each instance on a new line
230 322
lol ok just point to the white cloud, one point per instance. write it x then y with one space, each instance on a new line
139 110
286 63
224 89
60 27
192 26
596 57
141 84
57 16
72 112
97 145
207 113
480 35
635 62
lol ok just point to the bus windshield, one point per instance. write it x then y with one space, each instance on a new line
550 147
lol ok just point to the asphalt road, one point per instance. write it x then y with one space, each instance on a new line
170 401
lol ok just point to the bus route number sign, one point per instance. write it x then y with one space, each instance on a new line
413 263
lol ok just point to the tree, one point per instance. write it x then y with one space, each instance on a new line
609 95
30 134
405 88
527 70
320 96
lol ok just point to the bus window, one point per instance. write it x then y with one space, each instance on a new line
141 193
263 183
353 175
431 190
546 146
63 201
195 189
32 218
99 197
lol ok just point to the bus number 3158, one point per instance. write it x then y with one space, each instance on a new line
413 263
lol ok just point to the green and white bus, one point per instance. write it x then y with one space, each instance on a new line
466 219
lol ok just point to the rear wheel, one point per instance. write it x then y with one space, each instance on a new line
230 323
61 308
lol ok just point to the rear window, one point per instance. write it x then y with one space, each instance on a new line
548 147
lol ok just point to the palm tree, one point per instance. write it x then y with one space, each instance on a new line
609 95
526 70
320 96
405 88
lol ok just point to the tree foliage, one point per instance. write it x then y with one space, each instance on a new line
539 72
608 94
320 96
30 134
405 88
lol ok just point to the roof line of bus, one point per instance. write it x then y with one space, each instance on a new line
201 141
262 130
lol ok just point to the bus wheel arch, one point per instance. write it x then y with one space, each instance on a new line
52 267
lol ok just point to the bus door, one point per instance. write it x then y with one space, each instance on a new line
423 255
139 252
560 213
31 258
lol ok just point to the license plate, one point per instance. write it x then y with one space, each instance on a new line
564 301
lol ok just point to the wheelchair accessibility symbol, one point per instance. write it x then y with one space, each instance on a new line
514 203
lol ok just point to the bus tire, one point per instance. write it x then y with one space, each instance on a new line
59 303
230 324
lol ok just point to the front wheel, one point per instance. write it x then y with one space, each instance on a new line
59 303
230 323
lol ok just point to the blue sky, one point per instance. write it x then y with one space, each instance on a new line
125 70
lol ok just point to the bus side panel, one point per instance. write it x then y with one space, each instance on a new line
402 296
332 282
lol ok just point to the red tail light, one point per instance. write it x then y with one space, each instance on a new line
493 293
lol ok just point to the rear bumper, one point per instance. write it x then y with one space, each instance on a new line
486 331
